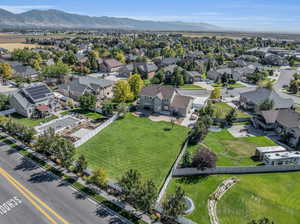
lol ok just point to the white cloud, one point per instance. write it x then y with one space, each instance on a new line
23 8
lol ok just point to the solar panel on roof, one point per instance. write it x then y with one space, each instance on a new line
38 92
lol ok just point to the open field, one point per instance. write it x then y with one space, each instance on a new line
135 143
233 151
222 109
30 122
13 46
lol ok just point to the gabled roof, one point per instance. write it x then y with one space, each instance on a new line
259 95
80 84
286 117
112 63
181 102
148 67
36 92
163 92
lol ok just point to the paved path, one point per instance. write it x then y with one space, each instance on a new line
216 196
68 203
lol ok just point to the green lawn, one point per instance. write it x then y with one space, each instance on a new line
30 122
135 143
235 85
255 196
190 86
233 151
275 196
89 114
221 110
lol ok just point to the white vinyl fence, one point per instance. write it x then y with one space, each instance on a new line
7 112
95 131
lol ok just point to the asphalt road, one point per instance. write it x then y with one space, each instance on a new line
31 195
284 79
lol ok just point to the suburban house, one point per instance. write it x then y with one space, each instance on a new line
236 74
111 65
167 61
147 70
251 100
164 100
21 70
34 100
101 88
284 122
272 59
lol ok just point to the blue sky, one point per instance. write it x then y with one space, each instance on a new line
243 15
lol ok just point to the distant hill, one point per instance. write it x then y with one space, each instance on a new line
59 19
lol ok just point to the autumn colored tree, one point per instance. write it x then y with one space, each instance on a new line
122 92
5 71
136 84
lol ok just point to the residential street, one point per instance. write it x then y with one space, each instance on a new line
284 79
31 195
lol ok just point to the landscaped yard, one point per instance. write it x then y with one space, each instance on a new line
89 114
233 151
135 143
221 110
235 85
31 122
275 196
190 86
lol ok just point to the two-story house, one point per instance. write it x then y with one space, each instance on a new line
34 100
101 88
164 100
251 100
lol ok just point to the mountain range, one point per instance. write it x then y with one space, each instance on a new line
57 19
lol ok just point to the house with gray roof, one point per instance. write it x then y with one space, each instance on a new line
164 100
102 88
147 70
34 100
285 122
252 99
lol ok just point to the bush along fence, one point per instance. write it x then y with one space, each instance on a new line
96 131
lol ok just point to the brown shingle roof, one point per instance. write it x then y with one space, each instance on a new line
286 117
163 92
112 63
180 101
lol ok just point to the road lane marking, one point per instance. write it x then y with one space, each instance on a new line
29 199
34 197
9 204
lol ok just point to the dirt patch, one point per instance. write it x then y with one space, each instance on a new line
13 46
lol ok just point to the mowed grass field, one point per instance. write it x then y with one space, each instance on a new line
255 196
135 143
